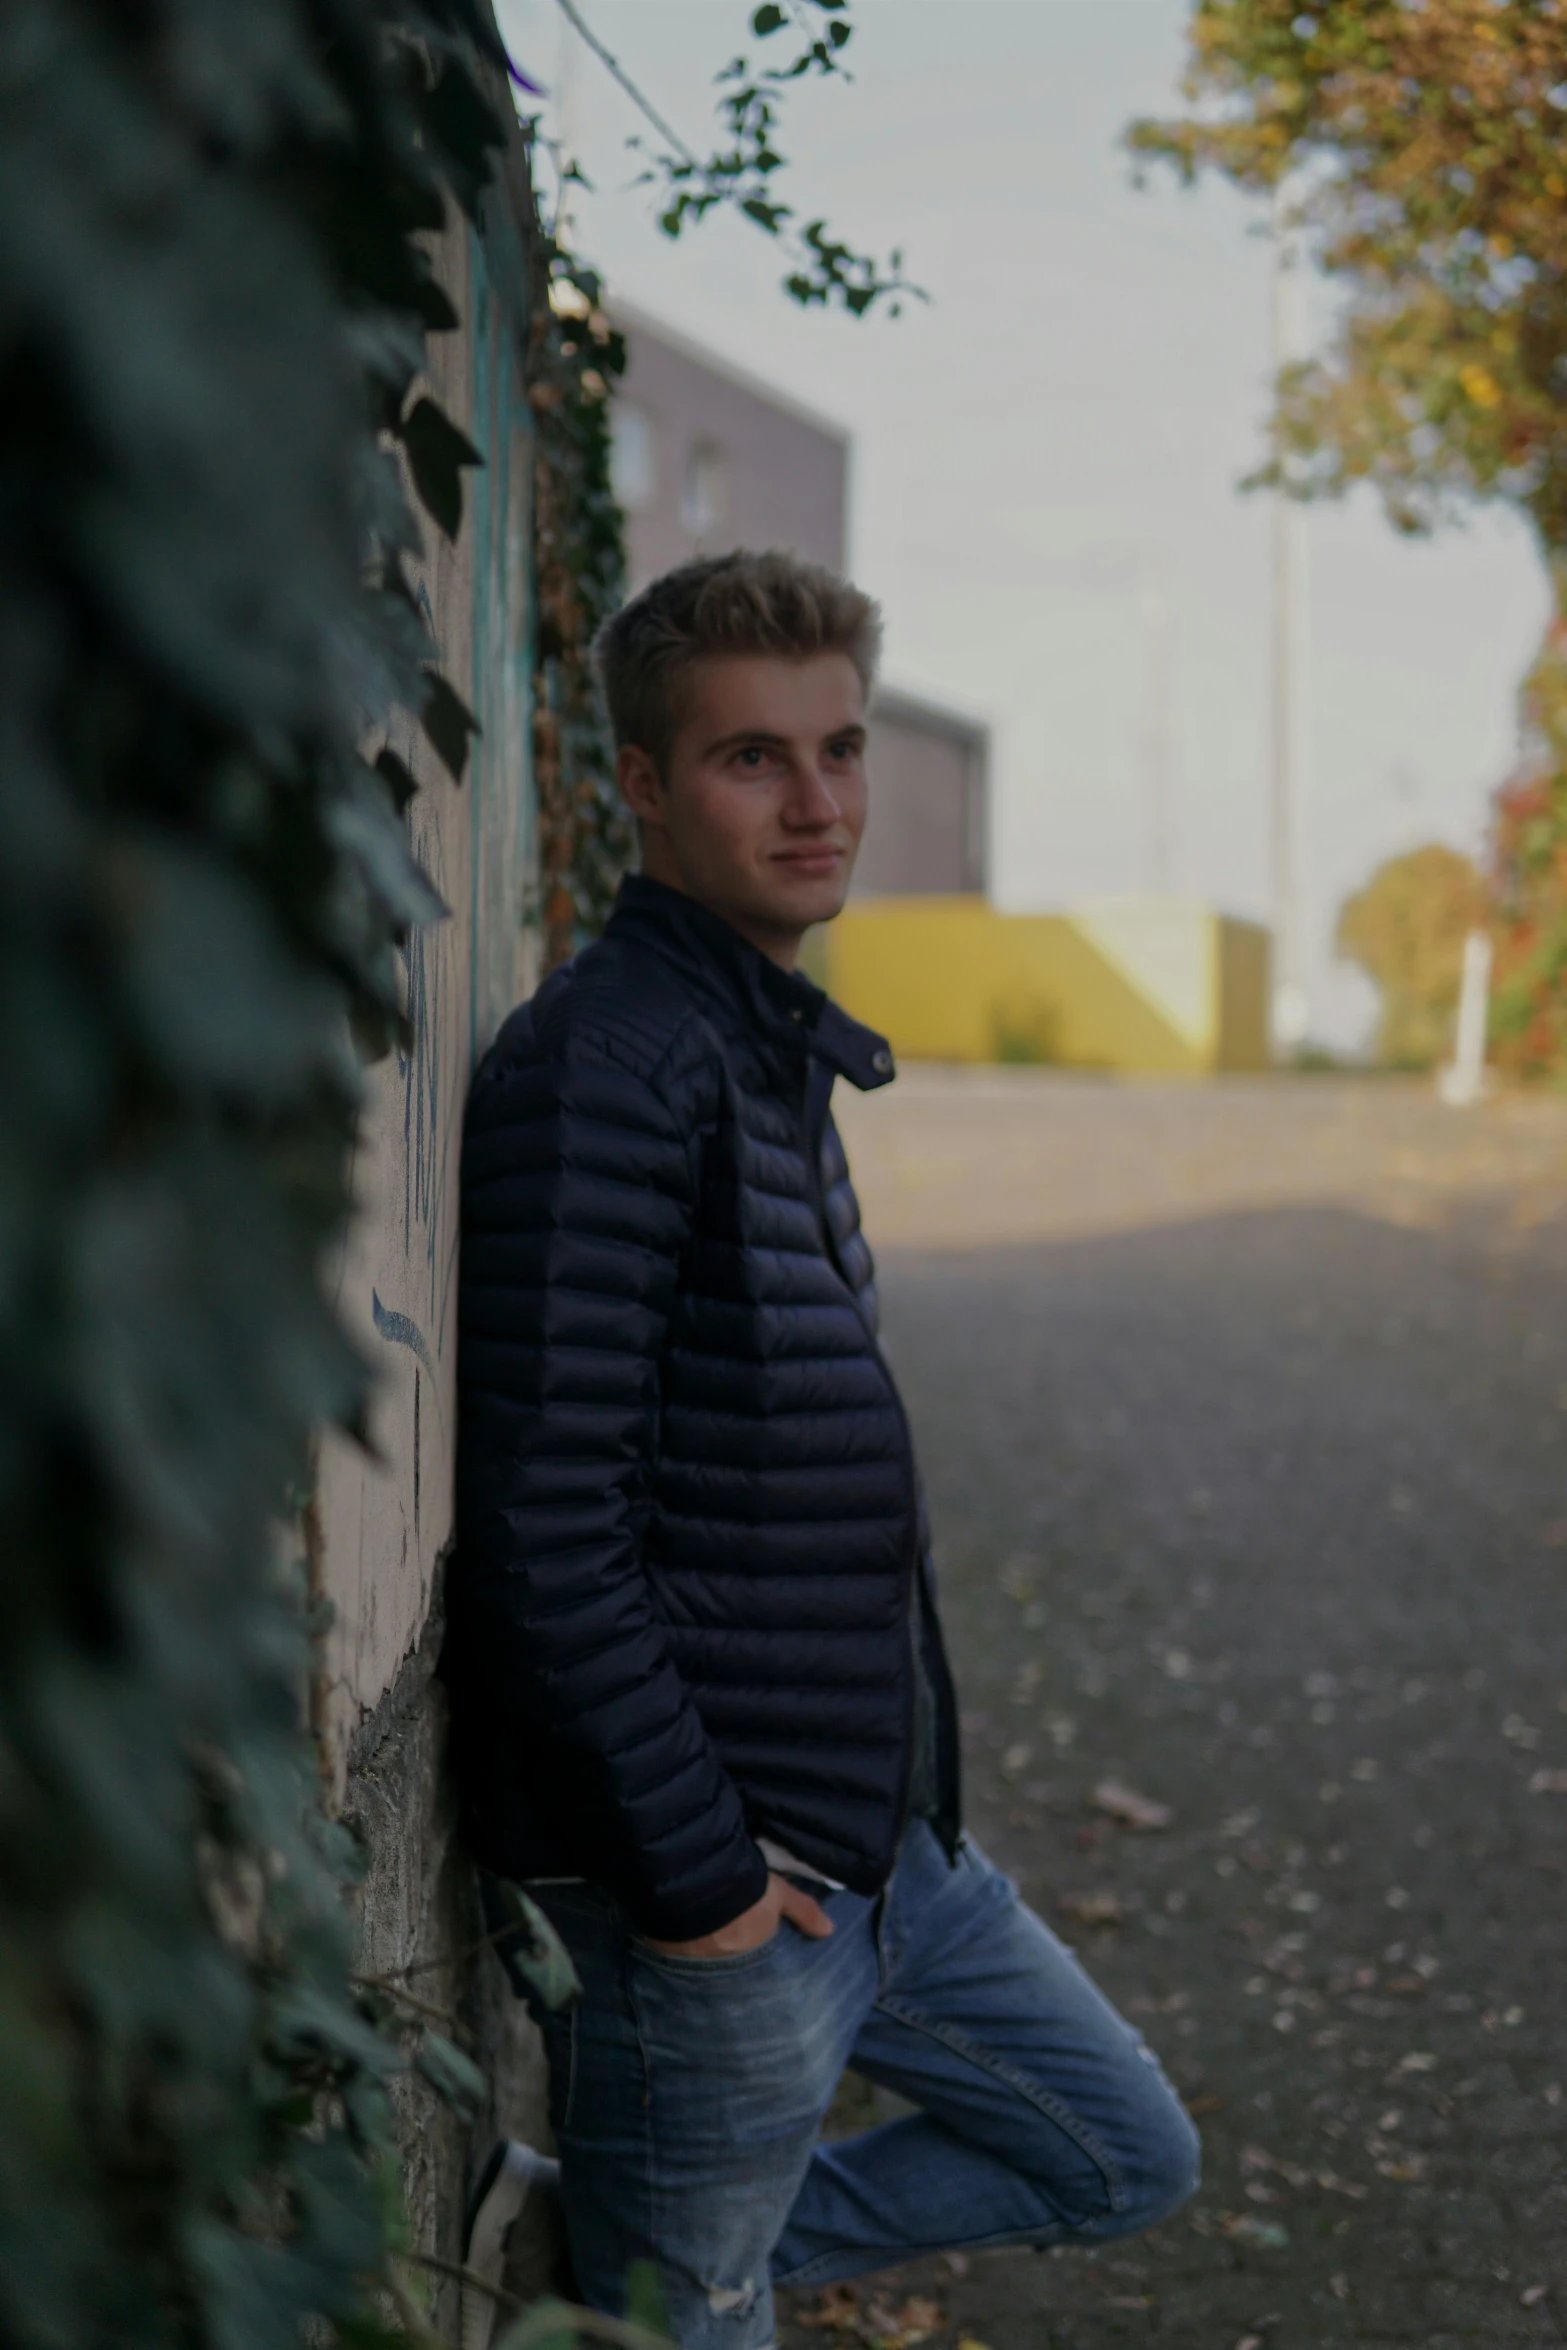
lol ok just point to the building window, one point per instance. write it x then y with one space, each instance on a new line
704 494
633 470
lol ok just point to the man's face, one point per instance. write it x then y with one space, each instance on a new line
761 812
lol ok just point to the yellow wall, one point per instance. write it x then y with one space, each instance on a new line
1153 989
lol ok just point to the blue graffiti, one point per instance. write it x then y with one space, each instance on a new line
401 1330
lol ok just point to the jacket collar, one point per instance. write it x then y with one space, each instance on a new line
784 1005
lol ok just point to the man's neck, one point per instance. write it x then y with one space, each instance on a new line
779 946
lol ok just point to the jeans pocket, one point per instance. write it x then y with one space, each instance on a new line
723 1966
739 2048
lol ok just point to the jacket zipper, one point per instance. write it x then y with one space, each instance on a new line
813 1176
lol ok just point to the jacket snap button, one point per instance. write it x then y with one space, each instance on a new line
882 1062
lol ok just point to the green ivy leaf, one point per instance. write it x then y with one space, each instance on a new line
366 825
307 2016
534 1950
438 451
220 997
449 723
447 2069
257 2295
468 128
398 777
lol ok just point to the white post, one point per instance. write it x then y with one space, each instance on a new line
1463 1081
1157 729
1291 992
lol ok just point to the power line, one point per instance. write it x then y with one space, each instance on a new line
612 65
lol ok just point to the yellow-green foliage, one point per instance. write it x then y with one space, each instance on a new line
1425 150
1406 930
1529 876
1435 193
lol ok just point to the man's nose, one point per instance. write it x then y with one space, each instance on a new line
811 800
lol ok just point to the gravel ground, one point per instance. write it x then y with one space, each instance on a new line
1243 1409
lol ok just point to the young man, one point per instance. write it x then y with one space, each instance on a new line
700 1702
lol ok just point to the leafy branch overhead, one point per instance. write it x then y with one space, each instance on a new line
1422 145
741 173
1425 150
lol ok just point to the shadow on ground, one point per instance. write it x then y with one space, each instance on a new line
1264 1516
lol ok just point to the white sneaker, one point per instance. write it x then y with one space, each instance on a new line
512 2173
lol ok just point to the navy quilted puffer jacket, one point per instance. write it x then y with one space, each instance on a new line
682 1603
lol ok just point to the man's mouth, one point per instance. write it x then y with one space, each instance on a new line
823 859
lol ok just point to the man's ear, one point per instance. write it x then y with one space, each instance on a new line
641 785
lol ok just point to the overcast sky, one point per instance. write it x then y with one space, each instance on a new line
1072 413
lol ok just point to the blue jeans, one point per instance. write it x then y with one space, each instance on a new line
687 2096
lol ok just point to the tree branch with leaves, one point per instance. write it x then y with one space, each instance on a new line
1423 152
741 173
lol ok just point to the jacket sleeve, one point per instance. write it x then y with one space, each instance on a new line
578 1196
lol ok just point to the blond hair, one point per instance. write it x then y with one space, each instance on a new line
773 603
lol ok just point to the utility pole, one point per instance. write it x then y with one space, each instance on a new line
1158 746
1287 792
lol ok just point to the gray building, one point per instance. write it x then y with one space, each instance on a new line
707 457
929 772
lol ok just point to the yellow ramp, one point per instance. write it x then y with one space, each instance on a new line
1161 990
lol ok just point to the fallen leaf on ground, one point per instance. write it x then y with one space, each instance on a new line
901 2327
1205 2101
1120 1802
1533 2295
1255 2159
1244 2227
1548 1783
835 2306
1094 1909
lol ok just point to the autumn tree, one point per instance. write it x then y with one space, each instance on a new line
1529 877
1406 930
1422 147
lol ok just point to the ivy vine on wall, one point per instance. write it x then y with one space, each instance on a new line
213 305
585 838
